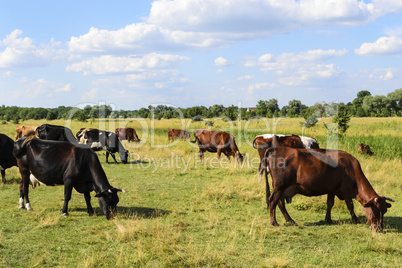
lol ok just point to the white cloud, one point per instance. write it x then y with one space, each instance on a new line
65 88
253 87
382 74
21 52
383 46
297 69
221 62
90 95
41 87
108 64
182 24
245 77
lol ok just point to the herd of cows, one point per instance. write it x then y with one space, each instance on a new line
52 155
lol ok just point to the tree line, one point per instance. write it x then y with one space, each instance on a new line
364 105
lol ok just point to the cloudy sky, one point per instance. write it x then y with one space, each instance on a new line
131 54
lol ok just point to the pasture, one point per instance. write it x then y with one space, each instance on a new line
180 212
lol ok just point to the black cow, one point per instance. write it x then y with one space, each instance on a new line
62 163
101 139
7 158
55 133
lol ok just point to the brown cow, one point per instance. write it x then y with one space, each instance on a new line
217 141
319 172
127 133
24 131
177 134
263 142
364 149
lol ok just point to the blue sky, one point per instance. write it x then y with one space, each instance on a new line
131 54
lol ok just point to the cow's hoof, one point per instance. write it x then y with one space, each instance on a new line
64 214
28 207
21 207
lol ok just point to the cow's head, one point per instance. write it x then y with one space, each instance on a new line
108 201
124 156
239 157
375 210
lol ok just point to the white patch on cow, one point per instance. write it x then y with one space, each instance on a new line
96 145
28 207
110 134
268 136
21 203
307 142
83 140
100 133
34 181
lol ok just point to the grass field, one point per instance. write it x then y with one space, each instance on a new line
179 212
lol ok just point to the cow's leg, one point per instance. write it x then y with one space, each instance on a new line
87 197
68 188
330 204
107 157
201 154
3 175
114 158
218 152
349 204
281 205
267 191
24 190
274 198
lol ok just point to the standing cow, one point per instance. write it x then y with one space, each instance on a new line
177 134
127 133
62 163
106 140
7 158
319 172
216 141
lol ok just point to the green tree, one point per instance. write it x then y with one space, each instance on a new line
342 119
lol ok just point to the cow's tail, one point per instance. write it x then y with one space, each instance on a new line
196 139
254 145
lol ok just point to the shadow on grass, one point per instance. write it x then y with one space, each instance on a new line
391 224
141 212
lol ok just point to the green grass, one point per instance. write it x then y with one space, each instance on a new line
178 212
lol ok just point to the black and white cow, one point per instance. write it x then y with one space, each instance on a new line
62 163
106 140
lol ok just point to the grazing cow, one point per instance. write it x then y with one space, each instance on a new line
217 141
101 139
364 149
177 134
319 172
24 131
55 133
127 133
7 158
62 163
263 142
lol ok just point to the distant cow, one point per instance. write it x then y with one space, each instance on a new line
106 140
364 149
263 142
62 163
319 172
7 158
55 133
127 133
217 141
24 131
177 134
